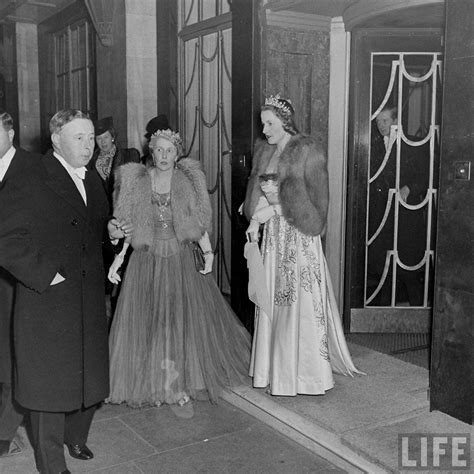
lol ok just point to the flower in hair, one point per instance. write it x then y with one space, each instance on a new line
279 103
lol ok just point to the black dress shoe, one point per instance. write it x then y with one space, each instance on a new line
4 447
80 451
67 471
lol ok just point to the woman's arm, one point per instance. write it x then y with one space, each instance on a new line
113 274
206 247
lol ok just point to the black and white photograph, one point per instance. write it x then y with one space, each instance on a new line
236 236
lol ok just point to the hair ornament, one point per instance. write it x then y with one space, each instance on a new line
279 103
169 135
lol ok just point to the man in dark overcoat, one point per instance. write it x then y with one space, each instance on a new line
11 165
60 334
411 225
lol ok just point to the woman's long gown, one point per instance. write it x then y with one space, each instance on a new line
173 335
297 346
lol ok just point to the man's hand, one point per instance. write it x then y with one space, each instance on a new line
404 192
119 229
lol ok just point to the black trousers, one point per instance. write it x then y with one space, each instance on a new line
11 415
51 430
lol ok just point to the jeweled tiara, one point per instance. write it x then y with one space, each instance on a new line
169 135
277 101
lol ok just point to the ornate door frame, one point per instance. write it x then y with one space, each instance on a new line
359 318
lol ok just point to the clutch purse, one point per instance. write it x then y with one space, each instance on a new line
198 255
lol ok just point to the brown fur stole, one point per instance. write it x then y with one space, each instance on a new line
303 182
190 204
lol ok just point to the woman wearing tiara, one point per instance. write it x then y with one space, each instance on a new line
173 337
299 341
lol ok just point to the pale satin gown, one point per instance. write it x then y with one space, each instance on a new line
297 346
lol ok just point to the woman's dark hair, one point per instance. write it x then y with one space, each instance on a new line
284 111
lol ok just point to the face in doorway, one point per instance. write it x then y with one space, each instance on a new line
164 153
75 142
6 139
105 142
384 121
272 127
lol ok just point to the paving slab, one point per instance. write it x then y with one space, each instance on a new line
390 389
200 438
256 449
165 429
113 442
361 417
381 443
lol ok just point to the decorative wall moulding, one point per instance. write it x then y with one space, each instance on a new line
299 21
102 16
363 10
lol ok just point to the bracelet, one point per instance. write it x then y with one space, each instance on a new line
208 252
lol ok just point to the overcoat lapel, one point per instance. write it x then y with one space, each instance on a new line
14 167
58 179
93 186
21 162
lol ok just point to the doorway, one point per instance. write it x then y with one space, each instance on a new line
392 180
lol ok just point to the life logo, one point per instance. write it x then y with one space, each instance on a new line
434 452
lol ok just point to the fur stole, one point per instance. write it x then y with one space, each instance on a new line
190 204
303 182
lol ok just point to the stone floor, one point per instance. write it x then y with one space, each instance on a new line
198 438
355 426
361 418
408 347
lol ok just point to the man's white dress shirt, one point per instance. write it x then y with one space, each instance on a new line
77 175
5 161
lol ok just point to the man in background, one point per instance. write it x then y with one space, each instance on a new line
411 231
12 161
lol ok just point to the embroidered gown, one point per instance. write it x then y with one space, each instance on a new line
173 335
296 348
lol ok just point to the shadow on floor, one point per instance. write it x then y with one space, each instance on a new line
408 347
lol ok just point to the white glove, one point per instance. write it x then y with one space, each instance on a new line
206 247
262 215
252 231
113 274
208 261
261 203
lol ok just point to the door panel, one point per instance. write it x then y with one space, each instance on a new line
392 183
